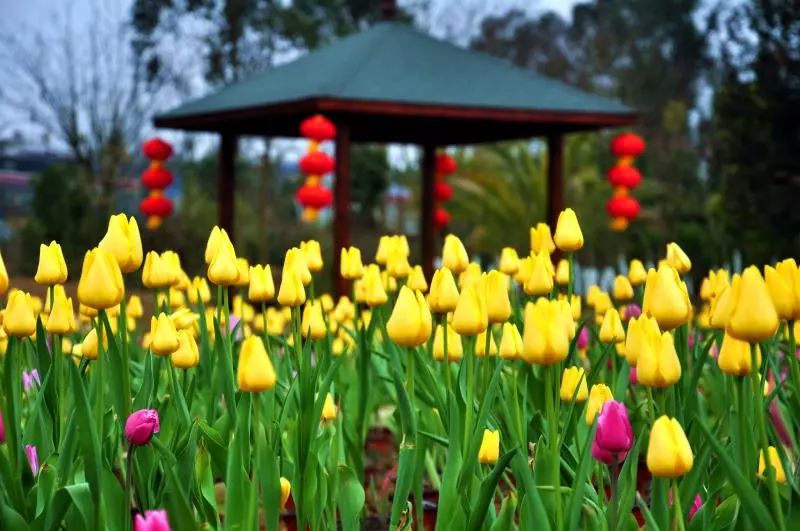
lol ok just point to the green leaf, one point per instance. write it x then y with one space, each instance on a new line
87 436
485 495
579 482
11 519
351 498
505 519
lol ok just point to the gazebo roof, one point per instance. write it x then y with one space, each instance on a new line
393 83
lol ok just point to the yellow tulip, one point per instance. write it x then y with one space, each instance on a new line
374 290
666 298
262 288
410 323
329 409
540 281
313 323
255 372
397 265
286 489
100 285
611 331
416 280
199 291
791 274
350 266
454 255
524 272
573 385
291 292
640 330
591 295
722 306
719 281
706 292
546 334
568 236
471 275
295 260
223 269
213 243
58 291
510 342
774 462
599 394
455 350
678 259
542 239
89 348
753 317
735 356
184 319
637 274
164 337
623 290
389 282
344 310
157 272
443 295
602 303
52 267
243 272
382 252
490 447
575 306
781 291
509 261
470 317
668 452
19 319
562 272
123 241
657 364
498 305
3 276
480 344
62 317
187 356
313 254
134 307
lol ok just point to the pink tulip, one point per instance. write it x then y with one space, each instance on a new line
141 425
152 521
2 430
33 459
614 435
583 338
30 379
631 311
632 376
696 504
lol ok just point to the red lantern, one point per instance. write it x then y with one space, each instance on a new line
623 206
156 177
626 176
627 145
318 128
317 197
156 205
316 163
442 192
441 218
445 164
157 149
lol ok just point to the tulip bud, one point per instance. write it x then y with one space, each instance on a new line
573 384
416 280
291 292
666 298
611 331
471 275
542 239
286 489
540 280
350 266
547 334
658 364
243 272
156 273
470 317
668 452
89 347
753 317
152 521
397 265
562 272
480 344
678 259
3 276
602 303
455 350
623 290
255 372
443 295
735 356
100 285
374 291
614 436
213 243
568 236
223 269
19 319
382 252
141 425
774 462
498 305
62 316
52 267
262 288
187 356
509 261
329 409
510 342
123 241
164 337
410 323
722 307
454 256
313 323
599 394
490 447
637 274
313 255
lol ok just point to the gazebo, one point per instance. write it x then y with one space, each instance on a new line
392 83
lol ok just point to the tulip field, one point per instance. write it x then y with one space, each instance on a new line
489 397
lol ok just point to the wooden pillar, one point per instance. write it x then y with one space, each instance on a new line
341 205
426 229
555 178
226 182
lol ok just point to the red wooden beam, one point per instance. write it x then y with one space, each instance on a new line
226 182
555 178
341 205
427 230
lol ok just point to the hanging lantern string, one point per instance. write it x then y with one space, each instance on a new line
624 177
156 178
445 166
313 196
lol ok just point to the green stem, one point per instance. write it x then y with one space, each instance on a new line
679 516
448 385
256 455
551 406
128 481
614 472
126 373
470 355
570 285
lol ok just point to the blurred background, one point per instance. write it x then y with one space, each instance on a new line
716 83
